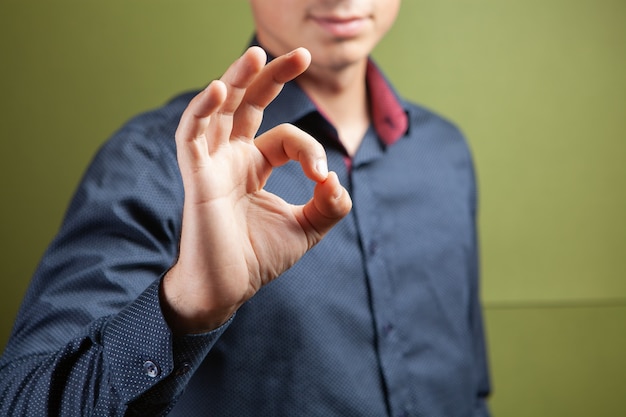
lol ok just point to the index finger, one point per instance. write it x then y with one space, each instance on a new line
265 87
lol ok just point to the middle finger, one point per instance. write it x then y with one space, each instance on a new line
265 87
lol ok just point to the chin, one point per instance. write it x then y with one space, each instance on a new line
340 56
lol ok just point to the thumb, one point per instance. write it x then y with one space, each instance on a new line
330 203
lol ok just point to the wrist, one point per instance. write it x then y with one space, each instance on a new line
182 311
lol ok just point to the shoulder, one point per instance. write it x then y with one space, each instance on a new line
438 138
145 140
428 121
156 127
138 162
435 131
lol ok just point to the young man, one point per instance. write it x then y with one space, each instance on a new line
159 294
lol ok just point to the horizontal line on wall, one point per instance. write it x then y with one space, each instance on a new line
588 303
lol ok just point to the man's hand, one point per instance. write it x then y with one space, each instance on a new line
236 237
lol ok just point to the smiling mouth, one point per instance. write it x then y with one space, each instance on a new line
341 27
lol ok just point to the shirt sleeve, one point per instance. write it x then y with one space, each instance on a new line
127 364
483 383
90 338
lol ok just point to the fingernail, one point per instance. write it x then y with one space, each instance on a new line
338 193
322 167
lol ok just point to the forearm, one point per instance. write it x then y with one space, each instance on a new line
68 381
127 362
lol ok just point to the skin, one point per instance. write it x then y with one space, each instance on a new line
229 247
340 34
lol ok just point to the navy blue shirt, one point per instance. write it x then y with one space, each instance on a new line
380 318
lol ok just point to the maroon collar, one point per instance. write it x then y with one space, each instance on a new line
388 115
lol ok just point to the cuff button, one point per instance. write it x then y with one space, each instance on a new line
151 369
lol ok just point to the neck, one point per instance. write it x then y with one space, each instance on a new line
341 94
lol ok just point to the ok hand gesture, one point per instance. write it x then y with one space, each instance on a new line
237 237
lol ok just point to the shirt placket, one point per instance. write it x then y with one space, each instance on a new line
373 225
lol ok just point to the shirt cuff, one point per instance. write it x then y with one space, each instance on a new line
140 350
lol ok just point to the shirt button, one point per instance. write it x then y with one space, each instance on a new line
151 369
183 369
372 248
387 328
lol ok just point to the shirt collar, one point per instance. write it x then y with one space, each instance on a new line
389 117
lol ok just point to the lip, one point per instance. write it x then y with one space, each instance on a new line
341 27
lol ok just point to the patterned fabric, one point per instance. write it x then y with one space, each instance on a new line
381 318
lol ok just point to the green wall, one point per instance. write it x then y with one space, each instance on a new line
537 86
